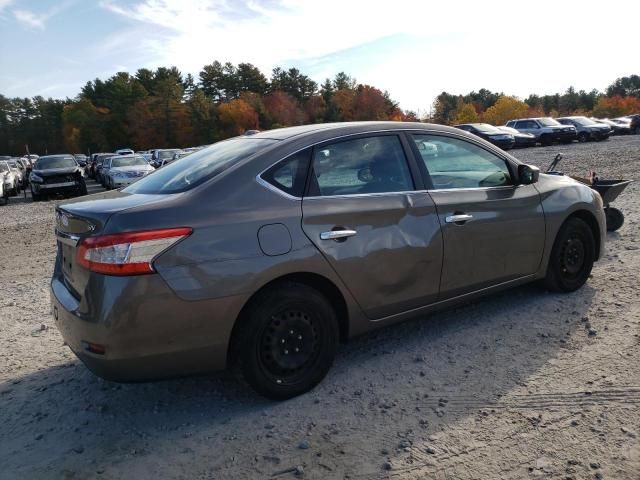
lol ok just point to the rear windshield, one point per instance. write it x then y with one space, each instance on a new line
198 167
46 163
127 161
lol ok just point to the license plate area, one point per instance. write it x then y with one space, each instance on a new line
57 185
67 259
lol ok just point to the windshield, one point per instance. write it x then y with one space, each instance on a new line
194 169
584 121
548 122
509 130
127 161
46 163
486 128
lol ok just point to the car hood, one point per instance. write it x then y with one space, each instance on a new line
56 171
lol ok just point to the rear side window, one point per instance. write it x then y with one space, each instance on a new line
361 166
194 169
290 174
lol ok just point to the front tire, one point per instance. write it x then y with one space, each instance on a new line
287 340
572 257
583 137
546 140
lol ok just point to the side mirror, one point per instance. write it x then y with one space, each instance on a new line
528 174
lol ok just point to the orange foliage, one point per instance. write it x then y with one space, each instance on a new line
369 104
343 101
616 106
535 112
238 116
282 109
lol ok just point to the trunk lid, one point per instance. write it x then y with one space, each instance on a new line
83 218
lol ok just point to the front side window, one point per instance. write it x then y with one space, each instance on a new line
454 163
195 169
360 166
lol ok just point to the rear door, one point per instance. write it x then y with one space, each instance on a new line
493 230
380 235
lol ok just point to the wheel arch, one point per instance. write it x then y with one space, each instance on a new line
590 219
313 280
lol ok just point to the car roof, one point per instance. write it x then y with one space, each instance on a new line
346 128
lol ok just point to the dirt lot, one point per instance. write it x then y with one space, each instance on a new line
518 385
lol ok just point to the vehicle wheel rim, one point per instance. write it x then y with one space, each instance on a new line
289 345
572 257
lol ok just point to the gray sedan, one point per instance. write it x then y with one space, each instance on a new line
269 250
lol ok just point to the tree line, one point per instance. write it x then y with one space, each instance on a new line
622 97
163 108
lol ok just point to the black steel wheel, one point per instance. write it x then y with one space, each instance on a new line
287 340
615 218
572 257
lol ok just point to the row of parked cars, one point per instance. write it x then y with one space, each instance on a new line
527 132
124 167
65 174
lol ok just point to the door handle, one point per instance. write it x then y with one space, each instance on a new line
337 234
458 218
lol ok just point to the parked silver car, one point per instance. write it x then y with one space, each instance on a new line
270 249
124 170
9 180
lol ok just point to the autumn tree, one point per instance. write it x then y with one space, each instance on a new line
282 110
504 110
616 106
343 104
237 116
445 107
466 113
369 103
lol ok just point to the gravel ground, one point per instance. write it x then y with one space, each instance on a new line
517 385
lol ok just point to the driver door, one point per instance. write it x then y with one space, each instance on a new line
493 231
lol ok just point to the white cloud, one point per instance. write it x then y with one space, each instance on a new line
4 4
37 20
459 46
30 19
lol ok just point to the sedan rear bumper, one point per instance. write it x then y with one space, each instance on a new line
135 328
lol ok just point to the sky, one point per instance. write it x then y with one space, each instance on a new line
415 49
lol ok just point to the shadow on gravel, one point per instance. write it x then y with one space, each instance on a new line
424 373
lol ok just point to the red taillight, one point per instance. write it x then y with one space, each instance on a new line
130 253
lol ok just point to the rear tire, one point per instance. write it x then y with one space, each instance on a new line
287 340
615 219
572 257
